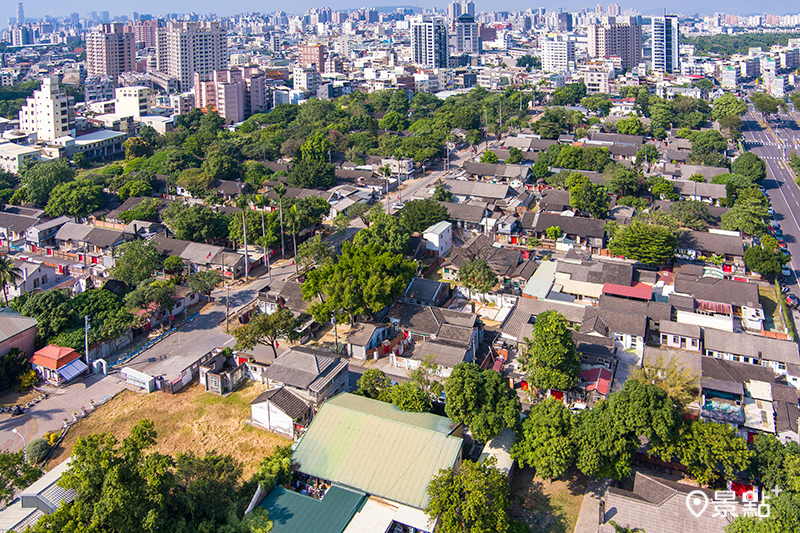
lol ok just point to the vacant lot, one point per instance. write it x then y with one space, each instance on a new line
547 506
772 311
192 420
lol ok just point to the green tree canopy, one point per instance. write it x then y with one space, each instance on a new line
136 261
586 196
312 173
440 194
749 165
374 384
384 231
551 360
630 126
203 282
545 442
408 396
652 245
748 213
39 180
766 258
477 275
481 400
196 223
419 215
15 475
474 499
75 199
728 105
267 329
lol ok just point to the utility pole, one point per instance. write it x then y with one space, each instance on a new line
246 251
335 332
86 328
264 247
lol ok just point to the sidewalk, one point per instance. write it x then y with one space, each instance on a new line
589 517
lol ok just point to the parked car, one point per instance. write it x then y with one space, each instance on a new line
397 205
793 300
786 271
778 232
771 212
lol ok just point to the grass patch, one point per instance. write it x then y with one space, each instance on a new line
769 301
547 506
192 420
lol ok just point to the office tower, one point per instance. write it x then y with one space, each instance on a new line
613 10
20 14
47 112
104 16
110 51
666 42
465 38
74 19
558 55
312 55
429 47
564 21
186 48
598 10
612 39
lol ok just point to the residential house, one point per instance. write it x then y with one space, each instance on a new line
113 216
90 245
17 331
518 324
680 336
288 295
466 217
422 291
506 228
518 278
717 303
230 190
656 312
223 372
584 232
34 276
464 191
439 239
703 246
281 411
314 375
419 323
13 228
42 235
200 256
554 201
503 261
754 349
710 193
618 138
58 365
366 340
629 329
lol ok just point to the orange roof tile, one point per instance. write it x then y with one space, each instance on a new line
54 357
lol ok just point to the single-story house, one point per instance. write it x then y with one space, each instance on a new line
17 331
282 411
422 291
314 375
365 338
58 365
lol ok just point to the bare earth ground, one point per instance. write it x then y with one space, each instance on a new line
192 420
547 506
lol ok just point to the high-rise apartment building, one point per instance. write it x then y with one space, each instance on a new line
20 14
47 112
429 47
613 10
613 39
186 48
558 55
312 55
110 51
236 93
145 32
666 43
456 9
465 38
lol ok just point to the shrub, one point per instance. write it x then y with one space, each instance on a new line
37 451
27 380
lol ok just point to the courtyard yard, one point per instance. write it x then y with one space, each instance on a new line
192 420
772 311
547 506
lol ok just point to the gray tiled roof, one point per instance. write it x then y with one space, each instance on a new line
361 333
16 223
442 353
619 321
718 290
703 241
285 400
465 212
583 227
751 346
13 323
305 368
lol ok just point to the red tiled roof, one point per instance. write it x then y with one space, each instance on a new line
54 357
640 291
598 379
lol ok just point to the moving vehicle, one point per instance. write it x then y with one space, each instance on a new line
397 205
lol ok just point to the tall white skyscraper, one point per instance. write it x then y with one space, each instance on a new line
666 43
456 9
429 46
558 55
20 14
187 47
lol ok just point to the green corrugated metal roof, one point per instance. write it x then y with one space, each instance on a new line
292 512
375 447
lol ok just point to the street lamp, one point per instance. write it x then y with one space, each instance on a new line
24 444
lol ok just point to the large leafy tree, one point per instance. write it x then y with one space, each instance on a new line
203 282
374 384
39 180
477 275
219 166
481 400
197 223
267 329
586 196
314 252
545 441
678 381
652 245
748 213
364 280
385 231
750 165
767 105
769 461
663 189
728 105
312 173
551 360
75 199
707 450
136 261
474 499
766 258
630 126
624 182
419 215
608 435
52 310
408 396
15 474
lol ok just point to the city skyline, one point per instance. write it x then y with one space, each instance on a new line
681 7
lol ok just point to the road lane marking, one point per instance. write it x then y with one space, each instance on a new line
791 212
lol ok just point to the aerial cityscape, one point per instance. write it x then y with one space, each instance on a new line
399 269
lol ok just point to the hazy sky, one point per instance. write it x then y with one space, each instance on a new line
56 8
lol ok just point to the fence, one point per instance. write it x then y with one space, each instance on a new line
149 344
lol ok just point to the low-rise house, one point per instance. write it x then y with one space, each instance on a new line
630 330
710 193
43 235
753 349
314 375
717 303
503 261
466 217
230 190
554 201
58 365
17 331
366 340
281 411
223 372
703 245
584 232
681 336
13 229
90 245
439 239
422 291
43 497
34 276
288 295
464 191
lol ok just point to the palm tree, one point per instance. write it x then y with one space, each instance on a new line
9 274
280 190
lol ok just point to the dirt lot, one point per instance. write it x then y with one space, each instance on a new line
547 506
191 420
